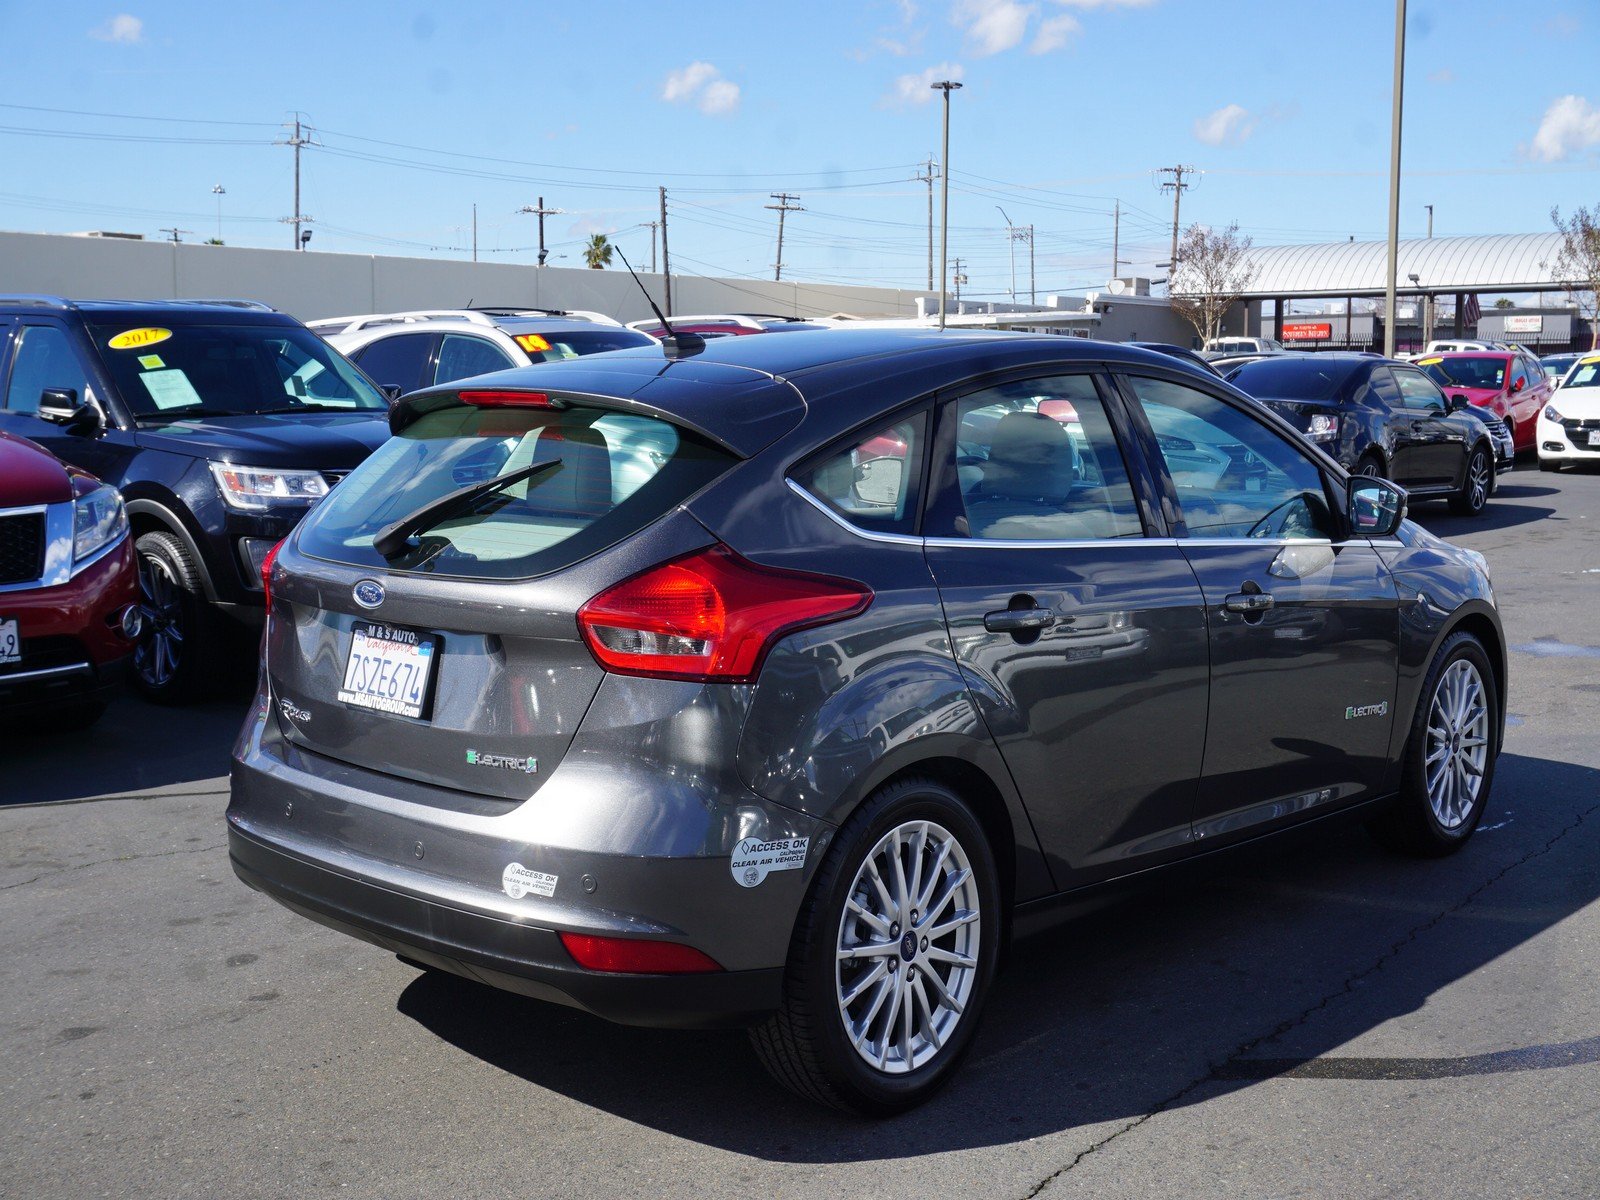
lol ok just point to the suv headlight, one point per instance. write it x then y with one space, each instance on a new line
98 519
1323 428
258 488
1550 414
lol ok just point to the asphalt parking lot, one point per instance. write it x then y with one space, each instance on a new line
1327 1021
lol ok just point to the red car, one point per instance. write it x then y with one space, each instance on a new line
1508 384
69 589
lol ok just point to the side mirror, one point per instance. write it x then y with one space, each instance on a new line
1374 507
1458 403
878 481
1517 385
60 406
391 391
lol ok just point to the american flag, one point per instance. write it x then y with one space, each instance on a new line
1470 311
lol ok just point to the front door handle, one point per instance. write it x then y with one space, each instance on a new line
1248 602
1018 620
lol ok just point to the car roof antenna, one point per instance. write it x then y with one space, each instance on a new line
676 345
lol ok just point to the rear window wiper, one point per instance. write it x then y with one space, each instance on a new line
392 539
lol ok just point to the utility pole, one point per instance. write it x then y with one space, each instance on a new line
1116 240
782 208
946 86
666 263
1177 187
175 232
1033 291
541 212
474 233
1394 176
301 137
219 192
652 226
957 279
1011 245
1427 302
928 178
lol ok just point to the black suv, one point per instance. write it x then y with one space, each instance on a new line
1383 418
222 422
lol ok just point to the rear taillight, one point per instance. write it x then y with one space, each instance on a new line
266 573
709 616
634 956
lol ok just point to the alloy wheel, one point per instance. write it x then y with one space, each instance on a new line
156 657
1369 468
1458 743
1478 480
907 952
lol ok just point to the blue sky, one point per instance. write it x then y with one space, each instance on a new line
1067 106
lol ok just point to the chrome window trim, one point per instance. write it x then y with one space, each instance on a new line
1025 544
893 539
59 568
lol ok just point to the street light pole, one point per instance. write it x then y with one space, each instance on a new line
219 192
1394 176
946 86
1011 244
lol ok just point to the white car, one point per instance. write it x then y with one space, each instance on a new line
1569 425
1230 346
405 351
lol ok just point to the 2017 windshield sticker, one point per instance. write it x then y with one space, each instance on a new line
1380 709
754 858
519 881
133 339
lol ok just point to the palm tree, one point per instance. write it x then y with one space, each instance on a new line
597 254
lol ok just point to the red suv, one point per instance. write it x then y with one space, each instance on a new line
69 590
1502 383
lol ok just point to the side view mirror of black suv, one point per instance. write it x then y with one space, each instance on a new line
1458 403
1374 507
61 406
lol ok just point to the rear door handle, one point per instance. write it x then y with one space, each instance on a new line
1248 602
1018 620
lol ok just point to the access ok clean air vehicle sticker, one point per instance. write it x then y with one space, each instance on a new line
754 858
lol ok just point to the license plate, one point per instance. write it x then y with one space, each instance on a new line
10 642
1594 437
389 669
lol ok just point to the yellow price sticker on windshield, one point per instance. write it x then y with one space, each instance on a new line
1590 361
133 339
1428 362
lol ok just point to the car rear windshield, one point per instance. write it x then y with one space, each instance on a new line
1296 379
548 345
1475 371
598 476
179 370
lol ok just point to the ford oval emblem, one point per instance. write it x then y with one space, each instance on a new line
369 593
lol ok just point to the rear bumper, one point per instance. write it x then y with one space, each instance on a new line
511 955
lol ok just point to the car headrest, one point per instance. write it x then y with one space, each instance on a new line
1030 458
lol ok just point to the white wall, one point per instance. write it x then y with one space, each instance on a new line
312 284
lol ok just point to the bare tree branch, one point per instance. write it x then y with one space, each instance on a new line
1212 271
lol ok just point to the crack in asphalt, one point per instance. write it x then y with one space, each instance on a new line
100 862
1216 1069
5 808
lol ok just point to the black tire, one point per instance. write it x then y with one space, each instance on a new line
1476 483
1549 464
177 659
1411 825
1369 464
804 1044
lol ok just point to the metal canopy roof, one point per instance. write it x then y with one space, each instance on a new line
1513 262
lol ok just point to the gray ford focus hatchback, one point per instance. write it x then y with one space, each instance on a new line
780 684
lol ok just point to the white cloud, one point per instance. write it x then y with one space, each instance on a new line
703 85
1054 33
1569 125
1442 75
124 28
719 97
992 26
1230 123
1085 5
918 88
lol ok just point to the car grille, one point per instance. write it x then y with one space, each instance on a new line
21 547
1575 424
1497 427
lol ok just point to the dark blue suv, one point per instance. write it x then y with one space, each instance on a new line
222 422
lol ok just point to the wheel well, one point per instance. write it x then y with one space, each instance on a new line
978 790
1480 627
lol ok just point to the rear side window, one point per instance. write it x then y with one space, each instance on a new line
396 361
598 476
1294 379
463 355
874 481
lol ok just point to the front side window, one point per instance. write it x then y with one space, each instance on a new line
1235 477
1418 391
1036 460
462 355
873 482
229 370
396 361
44 359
